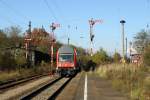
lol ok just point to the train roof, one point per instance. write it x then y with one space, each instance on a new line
66 49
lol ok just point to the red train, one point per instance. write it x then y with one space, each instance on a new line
66 61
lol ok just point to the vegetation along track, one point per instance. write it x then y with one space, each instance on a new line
49 91
12 83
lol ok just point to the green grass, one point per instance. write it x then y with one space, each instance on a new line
129 79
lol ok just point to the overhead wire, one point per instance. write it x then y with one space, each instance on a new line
7 19
61 15
50 10
148 8
53 14
55 3
14 10
59 11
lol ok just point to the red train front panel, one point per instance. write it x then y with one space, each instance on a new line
66 62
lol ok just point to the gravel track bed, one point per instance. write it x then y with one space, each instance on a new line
44 95
17 92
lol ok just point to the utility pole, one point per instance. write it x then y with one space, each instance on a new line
92 23
123 53
126 46
68 40
68 33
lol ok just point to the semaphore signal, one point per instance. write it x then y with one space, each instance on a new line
92 22
53 27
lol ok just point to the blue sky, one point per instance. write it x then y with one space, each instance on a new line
76 13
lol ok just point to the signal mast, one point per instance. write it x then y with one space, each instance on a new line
27 41
92 23
53 27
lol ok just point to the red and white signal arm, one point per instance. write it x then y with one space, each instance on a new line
92 22
57 25
28 39
99 21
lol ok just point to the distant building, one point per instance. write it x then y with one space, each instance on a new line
135 57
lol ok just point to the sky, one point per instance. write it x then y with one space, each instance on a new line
76 14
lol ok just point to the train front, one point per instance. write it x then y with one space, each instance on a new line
66 61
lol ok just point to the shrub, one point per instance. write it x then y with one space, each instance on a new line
100 57
116 57
7 61
146 56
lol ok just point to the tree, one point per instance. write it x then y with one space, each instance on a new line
146 56
100 57
3 39
142 45
13 31
7 61
14 39
141 40
57 46
41 39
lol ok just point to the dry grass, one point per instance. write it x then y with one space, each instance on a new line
130 79
9 75
22 73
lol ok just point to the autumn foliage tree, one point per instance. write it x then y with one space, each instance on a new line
41 39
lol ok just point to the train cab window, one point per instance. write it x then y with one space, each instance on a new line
66 58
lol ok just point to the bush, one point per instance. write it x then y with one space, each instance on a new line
7 62
116 57
146 56
20 58
101 57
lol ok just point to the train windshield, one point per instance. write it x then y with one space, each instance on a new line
66 57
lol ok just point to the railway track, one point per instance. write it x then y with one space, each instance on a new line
49 91
12 83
